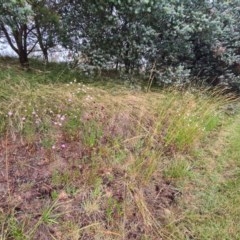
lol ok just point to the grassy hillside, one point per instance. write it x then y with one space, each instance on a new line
83 160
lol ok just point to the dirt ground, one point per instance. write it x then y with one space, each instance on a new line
29 177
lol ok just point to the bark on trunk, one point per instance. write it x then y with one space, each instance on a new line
23 59
45 55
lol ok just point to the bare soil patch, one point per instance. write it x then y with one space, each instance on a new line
31 175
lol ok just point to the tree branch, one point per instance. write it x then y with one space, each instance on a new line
9 38
34 45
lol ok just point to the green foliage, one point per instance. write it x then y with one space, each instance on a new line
10 10
27 24
194 38
92 133
72 128
60 179
29 131
48 142
184 40
178 169
212 122
114 210
215 189
16 229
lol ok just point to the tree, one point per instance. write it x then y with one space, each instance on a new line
30 23
109 31
14 18
46 24
191 34
182 37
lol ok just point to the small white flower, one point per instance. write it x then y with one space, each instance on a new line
10 113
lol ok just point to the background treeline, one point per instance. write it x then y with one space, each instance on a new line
172 40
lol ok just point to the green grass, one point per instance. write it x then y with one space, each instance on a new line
178 169
212 193
110 162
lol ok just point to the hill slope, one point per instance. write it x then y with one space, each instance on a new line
86 162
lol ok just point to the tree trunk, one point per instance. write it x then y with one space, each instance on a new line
127 65
45 55
43 46
126 59
23 59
